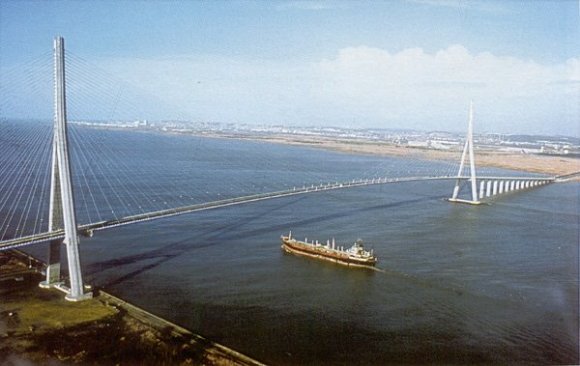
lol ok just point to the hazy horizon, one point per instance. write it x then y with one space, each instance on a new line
395 65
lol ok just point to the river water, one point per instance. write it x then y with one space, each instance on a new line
494 284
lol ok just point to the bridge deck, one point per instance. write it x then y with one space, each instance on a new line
88 229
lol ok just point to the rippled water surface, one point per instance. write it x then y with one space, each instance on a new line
460 284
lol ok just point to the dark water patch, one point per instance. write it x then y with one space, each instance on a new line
495 284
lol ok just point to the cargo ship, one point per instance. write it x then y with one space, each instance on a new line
355 256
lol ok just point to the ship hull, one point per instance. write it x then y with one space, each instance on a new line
322 253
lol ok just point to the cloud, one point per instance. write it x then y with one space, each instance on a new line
422 87
485 6
358 87
309 5
454 65
441 3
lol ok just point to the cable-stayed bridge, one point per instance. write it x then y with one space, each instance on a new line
510 183
37 177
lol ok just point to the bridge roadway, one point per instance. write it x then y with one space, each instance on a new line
88 229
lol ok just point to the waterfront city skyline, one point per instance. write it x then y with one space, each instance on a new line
408 64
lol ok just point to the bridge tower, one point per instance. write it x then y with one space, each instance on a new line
468 148
62 209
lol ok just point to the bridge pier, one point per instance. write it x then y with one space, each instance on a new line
55 222
52 265
467 149
488 186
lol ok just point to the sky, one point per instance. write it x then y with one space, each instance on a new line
361 64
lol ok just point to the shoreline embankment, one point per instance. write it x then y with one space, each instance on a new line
39 327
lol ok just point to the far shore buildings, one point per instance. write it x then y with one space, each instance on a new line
440 140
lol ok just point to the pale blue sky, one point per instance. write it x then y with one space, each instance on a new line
384 64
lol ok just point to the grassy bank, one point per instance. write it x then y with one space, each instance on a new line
39 327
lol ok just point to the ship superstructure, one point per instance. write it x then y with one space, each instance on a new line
356 255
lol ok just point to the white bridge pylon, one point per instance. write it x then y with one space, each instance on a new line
62 210
488 186
468 147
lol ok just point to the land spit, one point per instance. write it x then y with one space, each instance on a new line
485 156
533 163
38 326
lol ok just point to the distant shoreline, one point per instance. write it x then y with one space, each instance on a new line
487 157
531 163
